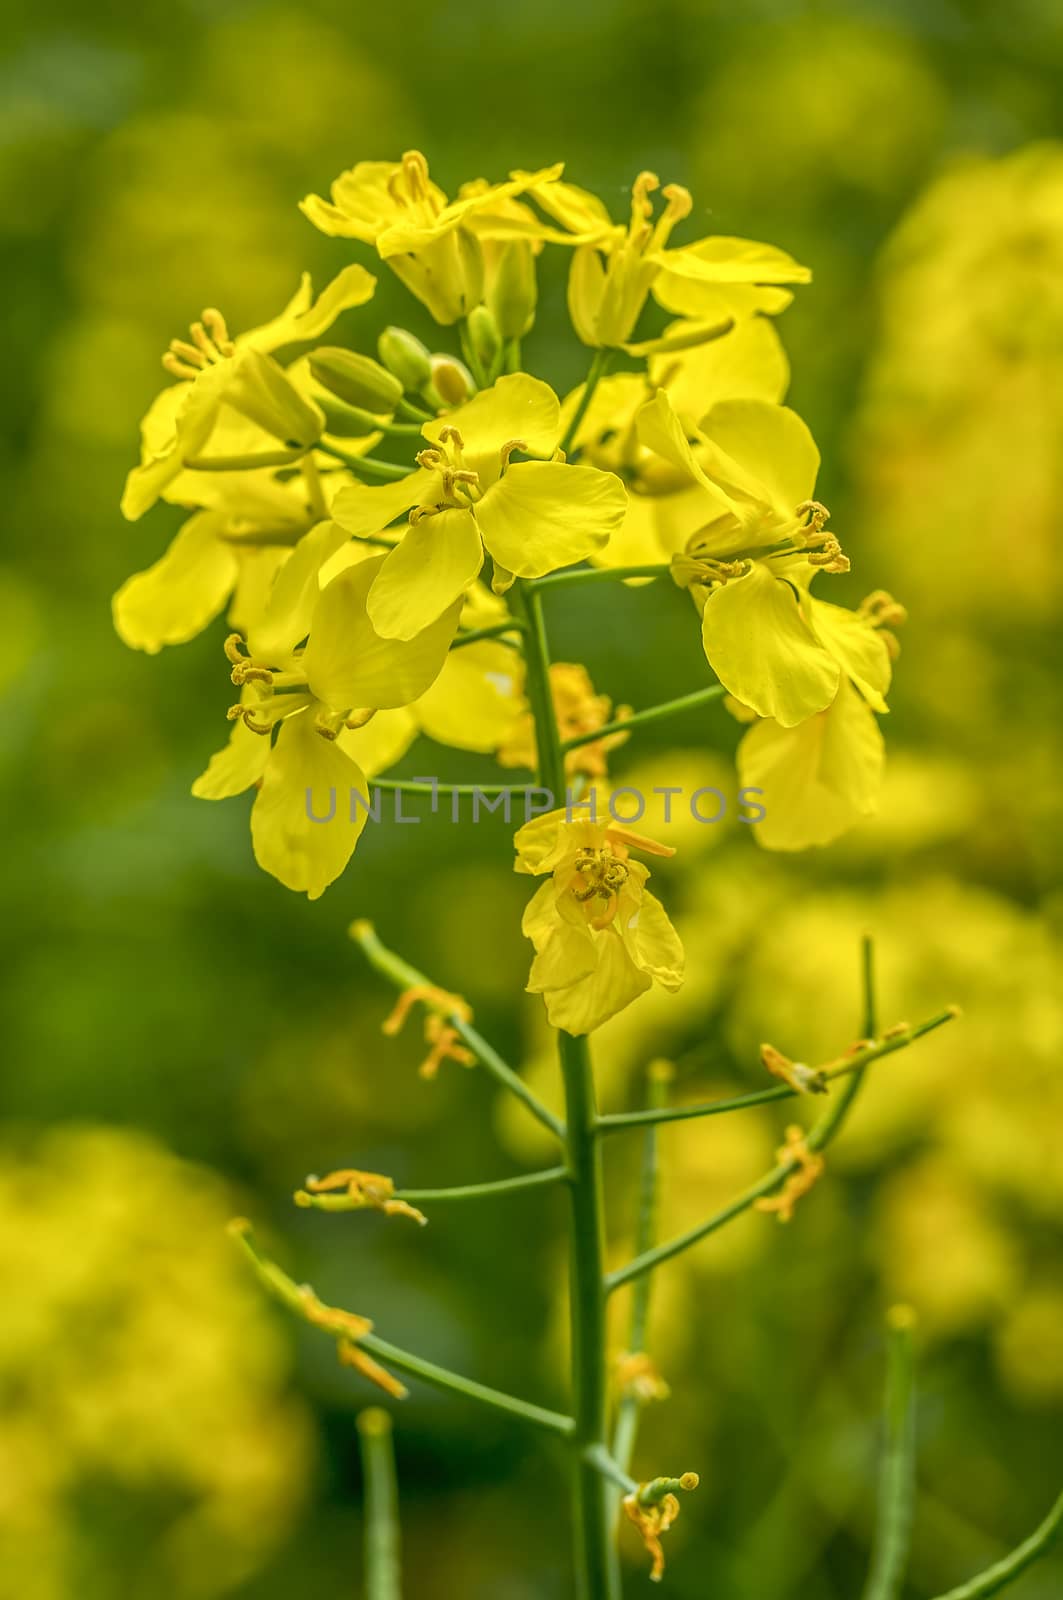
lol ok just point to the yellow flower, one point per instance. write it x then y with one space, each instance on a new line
467 494
233 395
601 939
615 269
428 241
312 796
666 504
758 549
817 779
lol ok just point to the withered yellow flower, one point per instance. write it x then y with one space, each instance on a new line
601 939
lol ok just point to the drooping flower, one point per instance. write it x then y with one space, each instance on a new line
467 495
427 240
234 397
601 939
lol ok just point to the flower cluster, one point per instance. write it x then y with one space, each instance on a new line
372 524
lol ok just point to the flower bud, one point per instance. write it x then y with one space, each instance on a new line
406 357
355 379
511 290
485 339
452 380
344 421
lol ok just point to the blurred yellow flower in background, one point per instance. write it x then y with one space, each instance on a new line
144 1387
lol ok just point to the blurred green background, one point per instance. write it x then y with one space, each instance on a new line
184 1038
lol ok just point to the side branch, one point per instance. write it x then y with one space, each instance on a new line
667 708
403 976
851 1065
997 1577
820 1135
383 1580
353 1335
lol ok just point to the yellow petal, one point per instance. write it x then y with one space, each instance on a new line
305 318
857 646
429 569
384 740
586 291
721 259
307 776
651 940
817 779
771 445
761 649
348 664
661 430
613 984
748 364
545 514
516 407
294 594
362 203
176 598
475 700
367 508
235 767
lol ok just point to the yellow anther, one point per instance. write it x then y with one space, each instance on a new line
815 511
641 205
429 459
509 447
234 648
451 435
359 719
882 611
806 1080
440 1034
806 1169
247 715
219 332
830 557
680 202
637 1376
351 1355
362 1191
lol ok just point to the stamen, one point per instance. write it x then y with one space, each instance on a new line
451 435
508 449
641 205
415 171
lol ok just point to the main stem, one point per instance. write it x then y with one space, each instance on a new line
597 1568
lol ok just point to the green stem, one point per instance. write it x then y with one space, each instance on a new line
853 1069
595 373
595 1550
497 630
893 1522
419 786
561 580
403 976
478 1191
511 355
454 1383
365 464
597 1567
383 1570
406 408
820 1135
637 719
998 1576
629 1409
300 1299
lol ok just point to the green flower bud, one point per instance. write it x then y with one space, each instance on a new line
452 380
344 421
406 357
355 379
512 289
485 338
